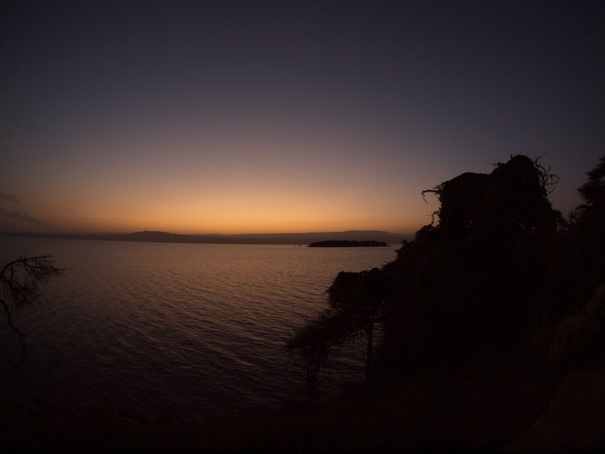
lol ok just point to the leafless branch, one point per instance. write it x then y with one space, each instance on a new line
21 282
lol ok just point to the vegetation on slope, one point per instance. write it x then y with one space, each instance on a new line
468 331
497 284
495 272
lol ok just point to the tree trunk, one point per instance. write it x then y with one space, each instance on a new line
370 347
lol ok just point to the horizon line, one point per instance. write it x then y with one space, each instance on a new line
198 234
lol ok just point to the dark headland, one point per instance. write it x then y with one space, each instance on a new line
486 333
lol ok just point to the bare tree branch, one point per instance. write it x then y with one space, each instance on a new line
21 282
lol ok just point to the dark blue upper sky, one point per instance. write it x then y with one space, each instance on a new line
240 116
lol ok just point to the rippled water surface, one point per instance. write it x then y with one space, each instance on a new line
180 329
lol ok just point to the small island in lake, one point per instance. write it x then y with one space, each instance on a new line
348 243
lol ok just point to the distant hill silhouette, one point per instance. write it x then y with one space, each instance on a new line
348 243
251 238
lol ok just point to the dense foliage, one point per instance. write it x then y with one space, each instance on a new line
497 271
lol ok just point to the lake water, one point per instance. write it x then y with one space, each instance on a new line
171 329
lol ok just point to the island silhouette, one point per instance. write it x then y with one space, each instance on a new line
348 243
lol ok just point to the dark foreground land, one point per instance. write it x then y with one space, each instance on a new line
492 330
482 407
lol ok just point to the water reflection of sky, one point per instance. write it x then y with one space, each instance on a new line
172 328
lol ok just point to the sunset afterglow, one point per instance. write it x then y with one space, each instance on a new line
212 117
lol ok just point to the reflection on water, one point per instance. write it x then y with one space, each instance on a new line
161 328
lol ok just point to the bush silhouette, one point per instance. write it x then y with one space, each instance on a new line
579 336
496 265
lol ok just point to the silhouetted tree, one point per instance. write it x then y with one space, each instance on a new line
21 282
512 200
359 301
357 304
593 191
588 220
310 347
472 280
493 265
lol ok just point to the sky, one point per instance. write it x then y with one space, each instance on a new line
285 116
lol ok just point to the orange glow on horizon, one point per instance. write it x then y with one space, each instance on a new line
236 223
240 206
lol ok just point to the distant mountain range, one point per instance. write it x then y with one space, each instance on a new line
251 238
